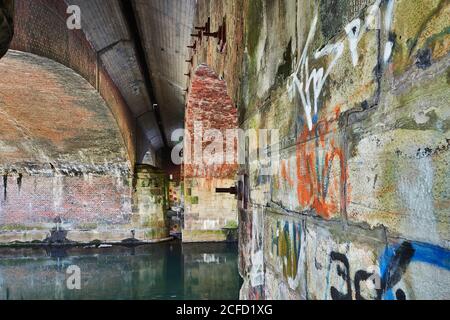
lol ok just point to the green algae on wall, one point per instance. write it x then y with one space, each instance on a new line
150 202
419 27
254 21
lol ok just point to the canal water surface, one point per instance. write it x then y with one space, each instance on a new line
161 271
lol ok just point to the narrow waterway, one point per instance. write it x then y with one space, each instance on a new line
160 271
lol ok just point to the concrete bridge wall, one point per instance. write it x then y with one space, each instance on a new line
358 92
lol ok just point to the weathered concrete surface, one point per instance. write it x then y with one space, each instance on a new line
6 25
209 114
359 94
165 28
151 202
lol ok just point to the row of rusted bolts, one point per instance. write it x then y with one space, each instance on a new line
205 32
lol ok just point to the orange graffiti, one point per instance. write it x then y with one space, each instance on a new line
284 173
316 188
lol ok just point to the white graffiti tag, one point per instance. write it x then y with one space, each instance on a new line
316 78
309 84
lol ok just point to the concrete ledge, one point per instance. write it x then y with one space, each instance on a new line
204 236
78 237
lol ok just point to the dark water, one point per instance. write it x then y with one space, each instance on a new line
160 271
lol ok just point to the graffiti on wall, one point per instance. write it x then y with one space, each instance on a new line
397 261
257 253
316 185
309 84
287 247
385 281
313 173
353 283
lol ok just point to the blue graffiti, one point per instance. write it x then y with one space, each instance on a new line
396 259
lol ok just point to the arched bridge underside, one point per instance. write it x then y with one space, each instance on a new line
62 154
137 69
353 190
86 118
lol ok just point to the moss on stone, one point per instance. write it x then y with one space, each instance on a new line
254 21
88 226
285 69
194 200
96 242
150 234
411 22
204 235
18 227
156 233
232 225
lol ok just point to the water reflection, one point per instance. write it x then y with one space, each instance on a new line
160 271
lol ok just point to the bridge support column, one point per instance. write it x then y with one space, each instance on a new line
211 121
150 203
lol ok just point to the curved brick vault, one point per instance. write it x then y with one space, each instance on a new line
61 154
53 119
63 158
140 76
40 28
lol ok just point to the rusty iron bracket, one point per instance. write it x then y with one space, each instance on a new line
221 35
206 28
232 190
198 35
194 46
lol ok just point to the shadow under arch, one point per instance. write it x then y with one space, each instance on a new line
6 25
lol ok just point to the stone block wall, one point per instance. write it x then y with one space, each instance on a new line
150 203
208 212
358 208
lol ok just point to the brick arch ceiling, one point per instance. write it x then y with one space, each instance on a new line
133 52
52 119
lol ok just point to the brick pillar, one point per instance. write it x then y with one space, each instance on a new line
207 213
150 203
